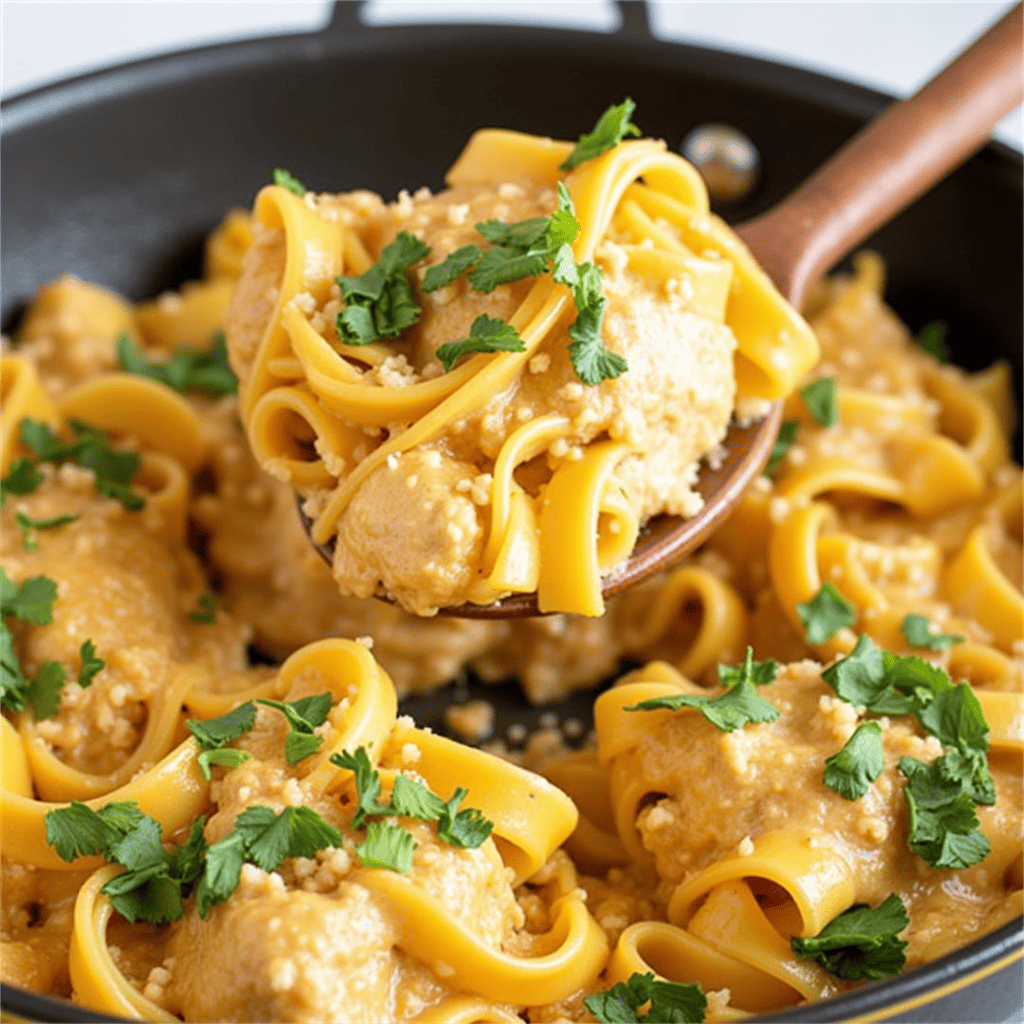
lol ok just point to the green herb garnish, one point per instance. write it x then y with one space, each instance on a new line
915 628
287 180
31 603
23 478
861 944
387 846
205 611
27 524
788 432
453 266
214 735
851 771
303 717
487 334
90 665
825 614
380 303
668 1002
611 128
821 399
185 370
932 338
738 706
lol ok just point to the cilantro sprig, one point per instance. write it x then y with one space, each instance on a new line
932 339
667 1002
917 632
611 128
91 449
389 845
303 716
155 882
861 944
821 400
851 771
380 303
825 614
487 334
737 706
788 432
186 369
22 478
90 664
288 180
205 611
31 602
941 796
27 524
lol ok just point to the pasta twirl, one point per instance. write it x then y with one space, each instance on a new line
464 482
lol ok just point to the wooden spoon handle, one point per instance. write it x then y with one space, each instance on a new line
890 162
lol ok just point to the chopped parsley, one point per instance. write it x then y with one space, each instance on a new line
668 1002
205 611
186 369
31 603
941 796
737 706
611 128
287 180
452 267
932 338
916 631
113 470
90 665
825 614
861 944
303 715
788 432
851 771
487 334
214 735
23 478
465 829
821 400
592 362
380 303
155 883
26 524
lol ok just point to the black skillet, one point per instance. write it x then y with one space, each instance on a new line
117 176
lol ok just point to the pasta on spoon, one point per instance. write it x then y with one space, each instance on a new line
490 391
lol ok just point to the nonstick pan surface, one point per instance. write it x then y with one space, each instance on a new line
117 177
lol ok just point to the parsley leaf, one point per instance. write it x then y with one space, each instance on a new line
379 303
851 771
825 614
788 432
466 829
411 799
671 1002
487 334
454 265
592 362
27 524
44 690
915 628
367 784
943 820
205 611
265 839
185 370
113 470
23 478
303 717
287 180
214 735
932 338
387 846
738 706
79 831
611 128
32 602
860 944
821 399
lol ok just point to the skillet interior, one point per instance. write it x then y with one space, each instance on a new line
119 175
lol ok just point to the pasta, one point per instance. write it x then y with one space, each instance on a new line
704 854
515 470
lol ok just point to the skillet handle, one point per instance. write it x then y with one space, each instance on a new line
635 23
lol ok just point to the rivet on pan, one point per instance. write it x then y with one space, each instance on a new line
727 160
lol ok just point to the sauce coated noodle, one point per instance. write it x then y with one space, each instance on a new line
669 845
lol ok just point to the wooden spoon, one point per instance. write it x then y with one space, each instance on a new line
890 162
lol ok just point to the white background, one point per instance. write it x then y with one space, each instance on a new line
890 45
